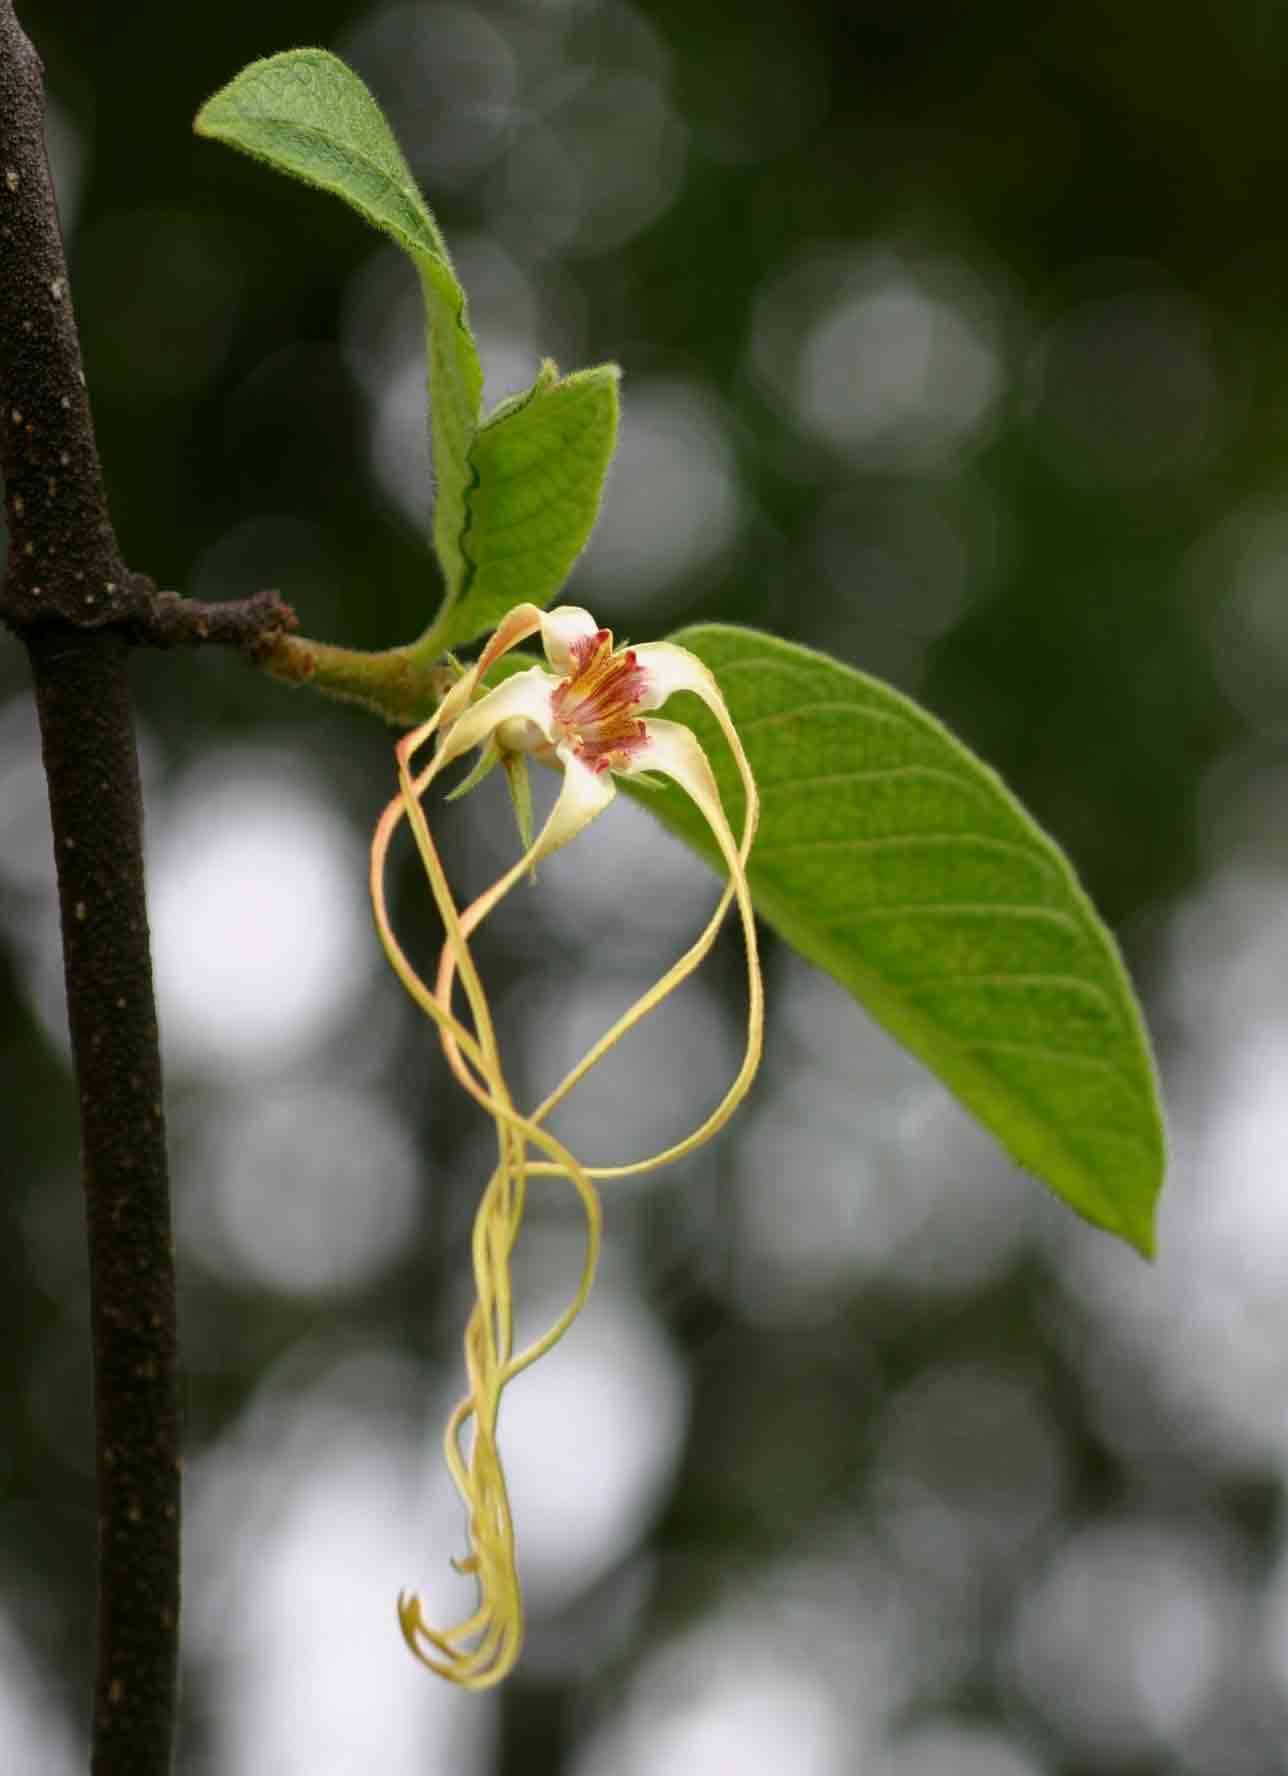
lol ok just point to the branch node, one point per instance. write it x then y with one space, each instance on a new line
253 625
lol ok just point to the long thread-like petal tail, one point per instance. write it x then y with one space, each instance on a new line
482 1648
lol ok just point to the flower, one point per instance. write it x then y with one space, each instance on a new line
589 715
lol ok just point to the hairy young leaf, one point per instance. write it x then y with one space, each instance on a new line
893 858
539 466
305 113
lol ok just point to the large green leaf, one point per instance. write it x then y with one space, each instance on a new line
539 467
893 858
305 113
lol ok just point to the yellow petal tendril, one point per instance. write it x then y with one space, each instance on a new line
480 1650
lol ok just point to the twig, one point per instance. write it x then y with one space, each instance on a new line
254 626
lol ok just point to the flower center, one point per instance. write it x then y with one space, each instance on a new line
596 708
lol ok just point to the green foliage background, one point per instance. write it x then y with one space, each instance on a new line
1077 565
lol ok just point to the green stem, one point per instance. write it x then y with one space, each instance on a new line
402 684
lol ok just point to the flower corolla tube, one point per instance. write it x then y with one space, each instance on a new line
587 714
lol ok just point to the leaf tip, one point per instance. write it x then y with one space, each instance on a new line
1140 1233
599 376
211 120
201 123
1132 1219
1139 1212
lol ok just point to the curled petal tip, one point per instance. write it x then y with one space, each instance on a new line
409 1616
563 631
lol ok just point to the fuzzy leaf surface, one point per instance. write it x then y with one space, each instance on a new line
305 113
539 465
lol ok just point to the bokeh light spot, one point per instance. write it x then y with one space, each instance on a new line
302 1524
1125 391
1236 579
899 365
447 80
969 1471
756 1721
261 935
1125 1637
673 504
33 1735
309 1188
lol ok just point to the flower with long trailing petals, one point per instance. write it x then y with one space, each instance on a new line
588 713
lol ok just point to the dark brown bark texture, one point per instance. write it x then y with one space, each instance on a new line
64 561
90 761
68 594
63 557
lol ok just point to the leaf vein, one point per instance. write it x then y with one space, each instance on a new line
893 841
1068 983
778 716
877 774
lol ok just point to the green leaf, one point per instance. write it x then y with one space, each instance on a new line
891 857
539 465
305 113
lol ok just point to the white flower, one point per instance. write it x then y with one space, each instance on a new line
589 715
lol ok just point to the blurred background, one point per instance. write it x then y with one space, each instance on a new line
954 343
